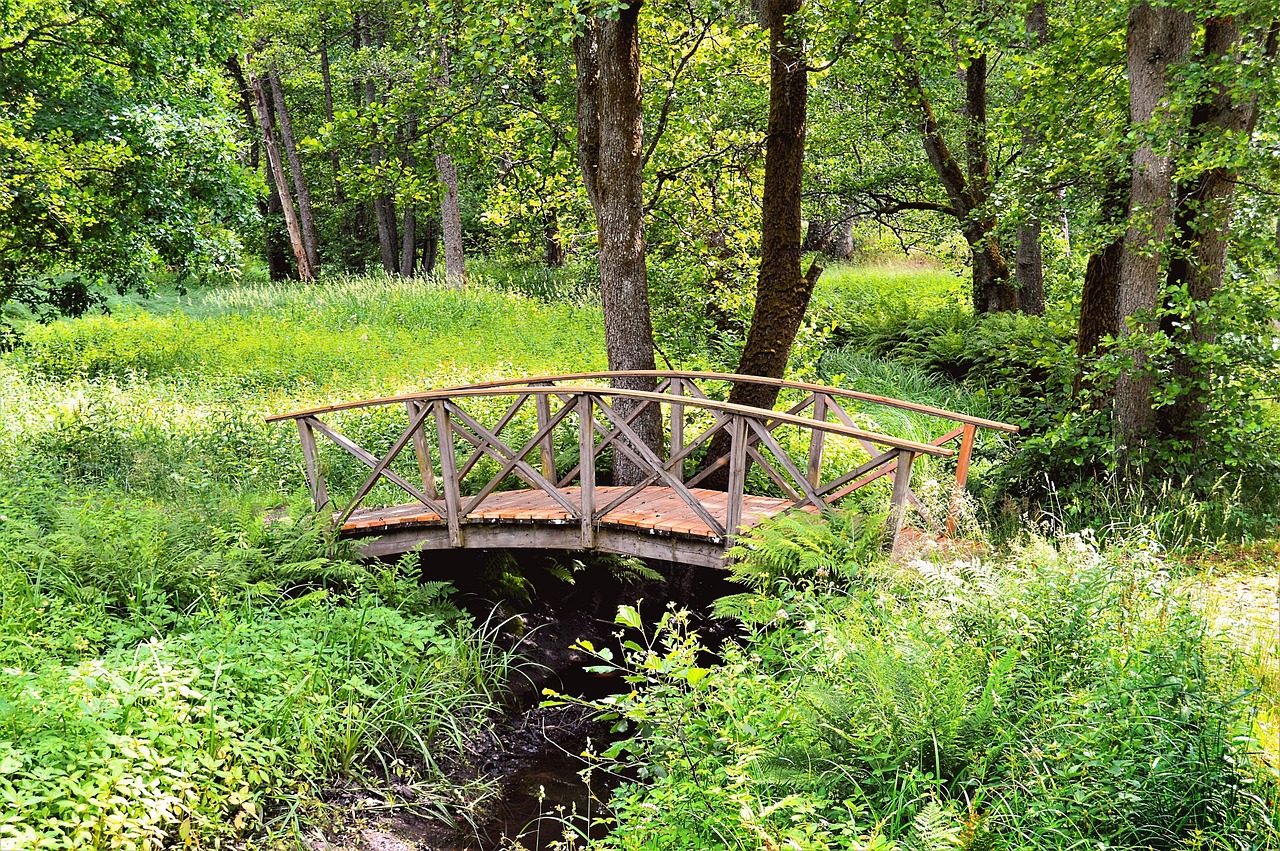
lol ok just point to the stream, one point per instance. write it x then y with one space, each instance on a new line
532 758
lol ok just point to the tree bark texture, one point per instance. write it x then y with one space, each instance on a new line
455 269
409 243
262 107
1157 37
269 208
782 290
611 155
455 264
306 219
430 245
1029 262
553 252
1201 226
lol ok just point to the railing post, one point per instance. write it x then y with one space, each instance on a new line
311 461
448 473
816 439
547 445
962 476
677 424
421 448
587 469
737 476
901 488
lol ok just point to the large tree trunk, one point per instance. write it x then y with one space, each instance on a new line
335 158
262 108
611 154
305 218
1100 298
782 291
455 262
1029 262
1202 222
430 245
1157 37
276 239
409 243
269 208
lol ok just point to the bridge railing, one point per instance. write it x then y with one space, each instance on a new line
447 442
818 402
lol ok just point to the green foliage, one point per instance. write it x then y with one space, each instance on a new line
1060 697
179 666
117 155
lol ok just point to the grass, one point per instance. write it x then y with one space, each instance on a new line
174 672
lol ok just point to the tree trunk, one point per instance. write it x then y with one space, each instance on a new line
335 158
305 218
269 208
430 246
1157 37
276 239
991 288
1099 299
842 245
409 243
782 291
553 253
384 209
262 108
1029 263
819 235
1201 226
611 154
455 264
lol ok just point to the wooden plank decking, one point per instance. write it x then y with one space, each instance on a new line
654 509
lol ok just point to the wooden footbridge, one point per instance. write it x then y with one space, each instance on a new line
513 464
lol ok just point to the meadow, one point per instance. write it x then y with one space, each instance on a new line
177 672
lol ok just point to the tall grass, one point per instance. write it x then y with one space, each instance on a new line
173 670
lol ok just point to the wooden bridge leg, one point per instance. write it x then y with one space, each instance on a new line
816 439
311 460
737 477
587 469
677 425
422 450
962 476
449 473
898 502
547 445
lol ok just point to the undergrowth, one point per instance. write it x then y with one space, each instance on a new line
1058 697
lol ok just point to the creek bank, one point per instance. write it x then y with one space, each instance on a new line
519 783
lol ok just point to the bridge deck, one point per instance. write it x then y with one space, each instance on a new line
654 509
655 523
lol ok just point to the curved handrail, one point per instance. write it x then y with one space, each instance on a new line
739 378
482 391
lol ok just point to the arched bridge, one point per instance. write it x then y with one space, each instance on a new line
514 464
